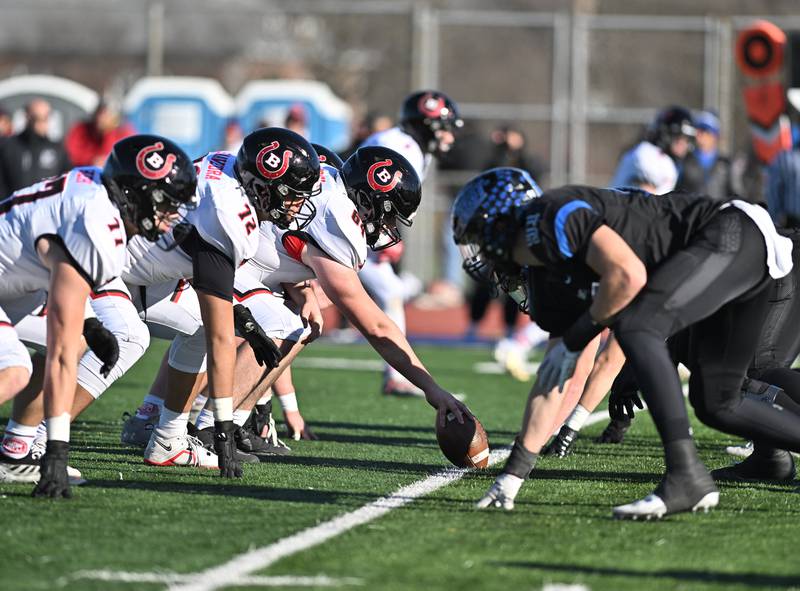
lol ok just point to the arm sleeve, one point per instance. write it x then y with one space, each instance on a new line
213 271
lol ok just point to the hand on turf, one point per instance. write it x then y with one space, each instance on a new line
53 481
297 427
225 448
103 343
557 367
445 402
502 493
620 404
265 350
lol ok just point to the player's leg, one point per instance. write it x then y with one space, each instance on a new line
722 264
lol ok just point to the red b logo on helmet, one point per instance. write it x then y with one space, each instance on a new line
379 177
269 164
431 105
152 165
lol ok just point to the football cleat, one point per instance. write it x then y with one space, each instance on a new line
136 431
772 464
562 444
676 493
250 443
183 450
614 431
206 437
740 451
27 469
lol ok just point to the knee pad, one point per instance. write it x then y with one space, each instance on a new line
187 353
133 339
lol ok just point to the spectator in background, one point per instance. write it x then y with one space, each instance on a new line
31 155
89 142
6 127
704 170
365 127
297 120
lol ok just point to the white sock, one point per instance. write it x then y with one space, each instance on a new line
265 398
578 418
204 420
240 416
200 401
171 423
58 427
18 439
41 430
223 408
150 407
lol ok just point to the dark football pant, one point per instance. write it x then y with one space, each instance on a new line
718 285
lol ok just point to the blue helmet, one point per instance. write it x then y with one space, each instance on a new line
486 216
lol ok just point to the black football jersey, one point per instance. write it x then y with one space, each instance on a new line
559 224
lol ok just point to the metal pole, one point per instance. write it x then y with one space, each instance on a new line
155 38
578 107
560 100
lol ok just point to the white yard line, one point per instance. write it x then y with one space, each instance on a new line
174 578
237 571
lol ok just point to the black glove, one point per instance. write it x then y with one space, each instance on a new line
53 480
225 448
620 404
266 352
102 342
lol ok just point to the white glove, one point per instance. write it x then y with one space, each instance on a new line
502 493
557 367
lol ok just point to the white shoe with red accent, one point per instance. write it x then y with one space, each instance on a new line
183 450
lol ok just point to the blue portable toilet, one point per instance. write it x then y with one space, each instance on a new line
193 112
268 102
69 101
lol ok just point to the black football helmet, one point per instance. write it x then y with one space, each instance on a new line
486 219
279 171
150 179
669 124
385 189
328 156
424 113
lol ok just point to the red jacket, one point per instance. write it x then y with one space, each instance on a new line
86 147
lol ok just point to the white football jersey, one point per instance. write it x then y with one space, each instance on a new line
398 140
646 163
223 218
73 207
336 229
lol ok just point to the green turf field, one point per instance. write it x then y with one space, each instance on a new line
150 522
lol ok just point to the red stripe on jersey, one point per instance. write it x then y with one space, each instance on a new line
241 296
4 323
96 295
294 246
182 286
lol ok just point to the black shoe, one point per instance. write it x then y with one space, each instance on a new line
249 442
561 445
615 431
688 490
206 437
771 464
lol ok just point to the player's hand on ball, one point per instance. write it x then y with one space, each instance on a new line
445 402
502 493
557 367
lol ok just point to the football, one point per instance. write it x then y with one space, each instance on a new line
465 445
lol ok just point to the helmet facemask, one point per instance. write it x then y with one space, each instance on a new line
282 205
380 223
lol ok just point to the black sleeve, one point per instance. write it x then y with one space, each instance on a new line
212 270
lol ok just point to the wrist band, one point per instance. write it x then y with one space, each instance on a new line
288 402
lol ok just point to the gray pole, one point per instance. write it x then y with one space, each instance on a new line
155 38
